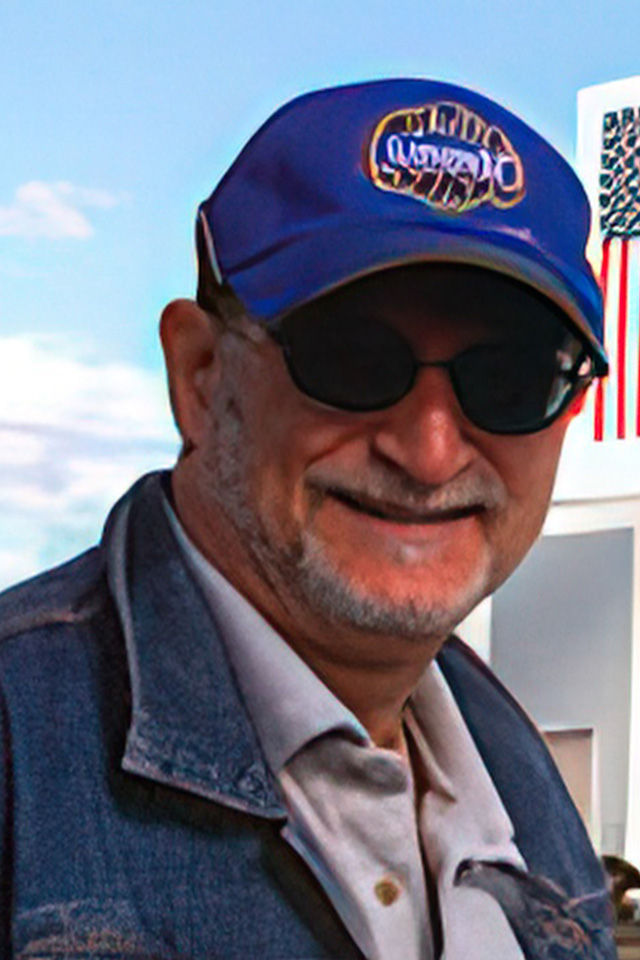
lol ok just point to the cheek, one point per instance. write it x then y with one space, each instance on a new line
283 440
527 466
291 432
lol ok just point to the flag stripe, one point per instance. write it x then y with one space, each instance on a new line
599 411
599 401
611 340
633 338
622 340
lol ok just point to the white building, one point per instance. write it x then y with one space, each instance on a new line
564 632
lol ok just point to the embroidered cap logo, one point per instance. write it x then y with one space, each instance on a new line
446 156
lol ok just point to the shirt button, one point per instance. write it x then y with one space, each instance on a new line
387 891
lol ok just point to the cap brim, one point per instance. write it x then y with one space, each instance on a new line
323 259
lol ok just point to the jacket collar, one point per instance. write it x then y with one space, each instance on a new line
189 727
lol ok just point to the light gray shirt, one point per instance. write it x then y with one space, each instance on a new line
353 813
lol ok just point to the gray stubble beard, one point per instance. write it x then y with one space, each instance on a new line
301 570
329 592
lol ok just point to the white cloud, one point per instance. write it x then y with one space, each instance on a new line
73 436
43 384
52 210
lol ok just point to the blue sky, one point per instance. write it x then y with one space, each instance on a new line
118 118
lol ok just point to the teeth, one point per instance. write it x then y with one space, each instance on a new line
399 514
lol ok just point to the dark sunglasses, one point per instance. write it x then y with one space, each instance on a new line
360 364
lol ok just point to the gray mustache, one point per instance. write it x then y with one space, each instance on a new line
405 493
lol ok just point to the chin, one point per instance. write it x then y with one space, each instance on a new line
372 608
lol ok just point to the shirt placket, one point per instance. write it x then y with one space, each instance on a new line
353 821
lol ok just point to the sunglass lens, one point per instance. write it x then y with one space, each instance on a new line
353 363
512 388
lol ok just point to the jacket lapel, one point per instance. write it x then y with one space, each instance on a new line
189 728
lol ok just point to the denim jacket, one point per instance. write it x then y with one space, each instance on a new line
137 815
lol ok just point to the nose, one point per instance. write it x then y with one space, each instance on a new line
426 434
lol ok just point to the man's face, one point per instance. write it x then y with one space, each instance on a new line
393 522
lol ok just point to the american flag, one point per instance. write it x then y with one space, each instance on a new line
617 400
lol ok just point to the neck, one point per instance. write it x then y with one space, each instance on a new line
373 675
375 690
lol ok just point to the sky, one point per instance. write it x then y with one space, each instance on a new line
118 117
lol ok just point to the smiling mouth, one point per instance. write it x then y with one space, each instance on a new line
394 513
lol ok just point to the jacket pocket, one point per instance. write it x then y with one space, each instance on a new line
82 930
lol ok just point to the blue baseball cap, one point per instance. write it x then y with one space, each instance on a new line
346 181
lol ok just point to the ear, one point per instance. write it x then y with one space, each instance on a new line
190 341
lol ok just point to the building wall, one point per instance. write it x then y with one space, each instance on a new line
561 639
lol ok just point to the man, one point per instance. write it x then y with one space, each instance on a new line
239 728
